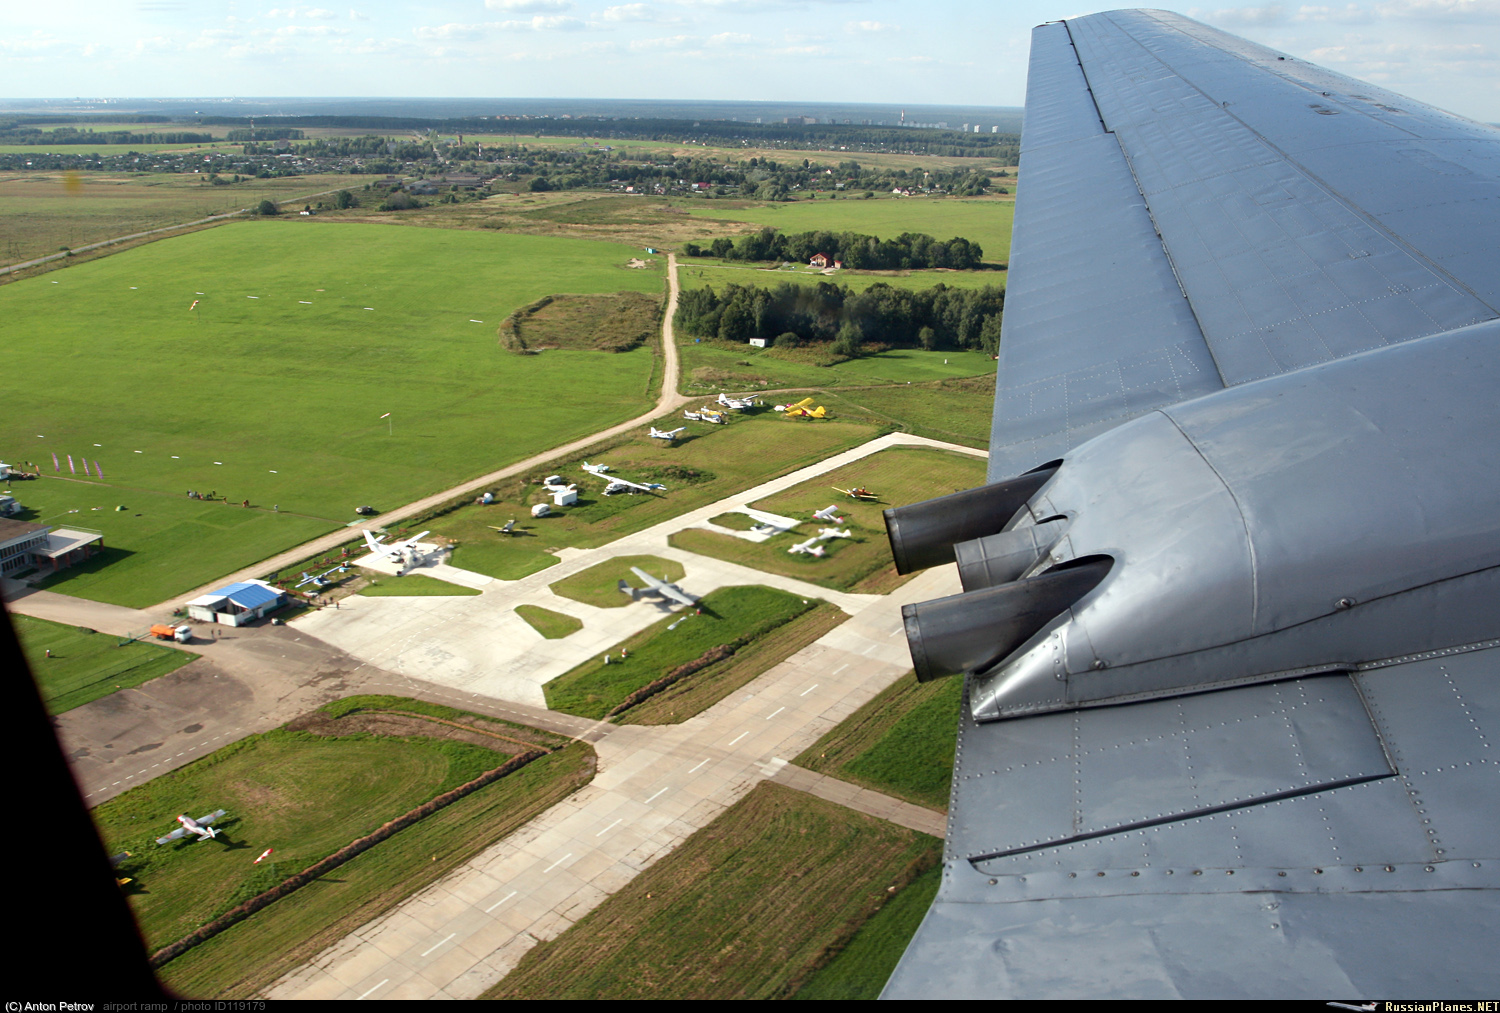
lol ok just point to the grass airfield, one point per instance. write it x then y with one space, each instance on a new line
278 398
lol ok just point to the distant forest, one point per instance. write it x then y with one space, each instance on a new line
907 252
790 316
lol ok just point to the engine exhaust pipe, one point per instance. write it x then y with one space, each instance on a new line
1000 559
972 631
923 534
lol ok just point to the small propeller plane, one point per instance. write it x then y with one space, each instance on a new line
830 513
824 534
707 414
654 586
595 469
199 826
857 492
618 485
395 549
803 409
809 547
670 435
509 529
738 404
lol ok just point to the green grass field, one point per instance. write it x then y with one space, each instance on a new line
954 411
709 366
982 220
599 584
749 907
864 965
863 561
728 614
85 665
414 585
279 398
550 624
900 743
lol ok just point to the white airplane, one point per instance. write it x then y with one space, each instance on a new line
621 485
595 469
739 404
654 586
809 547
199 826
395 549
670 435
707 414
824 534
829 513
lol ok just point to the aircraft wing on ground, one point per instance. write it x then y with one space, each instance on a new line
1230 631
662 587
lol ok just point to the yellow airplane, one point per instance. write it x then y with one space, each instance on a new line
802 410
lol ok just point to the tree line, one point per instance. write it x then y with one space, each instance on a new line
72 135
790 316
910 251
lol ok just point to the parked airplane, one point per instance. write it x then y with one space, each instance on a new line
592 469
618 485
509 529
738 404
706 414
809 547
824 534
657 587
802 409
670 435
858 492
395 549
199 826
829 513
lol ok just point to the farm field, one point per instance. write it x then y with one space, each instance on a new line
41 214
273 389
85 665
306 790
707 463
730 615
747 908
862 562
711 366
900 743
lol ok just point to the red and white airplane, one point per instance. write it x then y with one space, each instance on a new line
199 826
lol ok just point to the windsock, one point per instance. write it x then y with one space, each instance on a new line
55 465
71 469
98 470
194 306
263 855
85 462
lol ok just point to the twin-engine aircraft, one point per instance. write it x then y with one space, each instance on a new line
618 485
199 826
395 550
658 587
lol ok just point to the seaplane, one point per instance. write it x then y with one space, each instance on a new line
670 435
199 826
802 409
619 485
707 414
825 534
396 550
858 492
738 404
830 513
809 548
656 587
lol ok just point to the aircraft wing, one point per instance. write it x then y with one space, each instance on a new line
662 587
1246 755
175 835
204 821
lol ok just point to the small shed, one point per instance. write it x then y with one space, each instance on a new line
237 604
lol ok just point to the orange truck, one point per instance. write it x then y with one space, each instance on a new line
181 634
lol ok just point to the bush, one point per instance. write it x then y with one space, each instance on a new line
265 207
539 184
400 201
788 340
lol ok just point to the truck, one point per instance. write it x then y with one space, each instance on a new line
163 631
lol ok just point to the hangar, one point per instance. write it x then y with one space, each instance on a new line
237 604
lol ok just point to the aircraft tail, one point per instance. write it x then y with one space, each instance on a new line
625 588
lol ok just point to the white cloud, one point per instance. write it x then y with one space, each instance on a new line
451 31
635 12
1349 14
528 6
319 13
543 23
675 42
355 15
870 26
730 39
1269 15
802 51
315 31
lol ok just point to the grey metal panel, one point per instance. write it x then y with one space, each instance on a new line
1272 259
1103 770
1096 328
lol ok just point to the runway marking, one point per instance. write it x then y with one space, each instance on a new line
611 826
653 798
836 671
808 690
372 988
737 738
775 712
557 863
897 630
700 763
502 900
439 943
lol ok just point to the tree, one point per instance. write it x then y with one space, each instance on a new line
345 199
399 201
265 207
928 337
539 184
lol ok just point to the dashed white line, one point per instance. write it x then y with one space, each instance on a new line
897 630
610 827
808 690
737 738
440 942
557 863
502 900
653 798
836 671
372 988
775 712
700 763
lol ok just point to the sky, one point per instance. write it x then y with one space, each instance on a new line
1445 52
